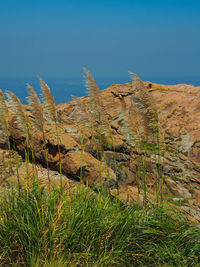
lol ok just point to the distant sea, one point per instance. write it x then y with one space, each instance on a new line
63 88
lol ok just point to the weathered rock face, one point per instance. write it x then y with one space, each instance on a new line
112 155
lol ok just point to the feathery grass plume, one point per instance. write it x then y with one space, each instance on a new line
86 122
4 120
4 115
23 124
146 106
96 109
51 115
36 108
85 116
50 107
148 111
96 106
145 95
19 113
132 125
4 124
38 119
94 93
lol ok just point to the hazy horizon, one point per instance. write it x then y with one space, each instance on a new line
63 88
57 38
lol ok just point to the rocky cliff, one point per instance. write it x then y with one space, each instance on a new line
112 158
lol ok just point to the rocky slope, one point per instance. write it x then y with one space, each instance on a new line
114 155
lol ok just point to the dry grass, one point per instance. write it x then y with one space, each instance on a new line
38 121
97 116
132 127
146 107
19 113
51 116
4 118
140 119
36 108
50 108
94 94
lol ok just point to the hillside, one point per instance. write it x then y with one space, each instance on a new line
178 110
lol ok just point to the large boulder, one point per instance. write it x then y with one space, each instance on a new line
97 152
178 109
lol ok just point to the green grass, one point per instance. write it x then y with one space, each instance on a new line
38 228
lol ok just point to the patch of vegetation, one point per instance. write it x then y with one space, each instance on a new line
49 226
38 228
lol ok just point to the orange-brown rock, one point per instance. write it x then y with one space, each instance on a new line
83 151
179 114
84 166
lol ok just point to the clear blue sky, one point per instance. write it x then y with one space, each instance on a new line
57 38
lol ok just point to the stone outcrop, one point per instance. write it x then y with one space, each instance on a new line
112 158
